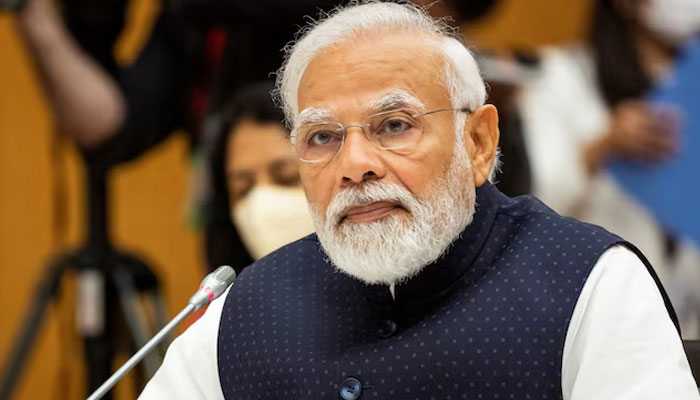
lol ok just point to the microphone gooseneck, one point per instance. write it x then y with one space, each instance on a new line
212 286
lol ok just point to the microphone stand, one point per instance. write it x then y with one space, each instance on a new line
131 363
212 286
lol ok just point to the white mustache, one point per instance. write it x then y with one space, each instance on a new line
370 192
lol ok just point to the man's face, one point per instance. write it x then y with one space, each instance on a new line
347 80
382 215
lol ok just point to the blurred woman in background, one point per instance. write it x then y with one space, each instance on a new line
587 107
255 180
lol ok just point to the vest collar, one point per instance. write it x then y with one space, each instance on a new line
413 297
460 260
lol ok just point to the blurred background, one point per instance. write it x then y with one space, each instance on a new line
139 149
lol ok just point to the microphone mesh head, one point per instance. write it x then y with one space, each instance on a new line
225 274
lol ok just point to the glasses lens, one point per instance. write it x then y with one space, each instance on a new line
395 130
318 142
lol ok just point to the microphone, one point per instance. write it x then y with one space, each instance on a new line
212 286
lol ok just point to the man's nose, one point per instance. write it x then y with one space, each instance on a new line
359 159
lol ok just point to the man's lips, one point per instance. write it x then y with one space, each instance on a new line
370 212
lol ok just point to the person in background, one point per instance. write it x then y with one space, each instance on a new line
587 107
199 52
256 176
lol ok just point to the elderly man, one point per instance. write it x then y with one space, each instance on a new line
423 281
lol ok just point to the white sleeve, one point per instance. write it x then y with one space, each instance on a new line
621 343
190 370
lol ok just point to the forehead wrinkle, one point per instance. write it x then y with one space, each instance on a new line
395 99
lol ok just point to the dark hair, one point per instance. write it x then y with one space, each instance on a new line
621 74
252 102
471 10
223 243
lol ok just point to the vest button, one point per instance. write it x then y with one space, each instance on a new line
350 389
387 328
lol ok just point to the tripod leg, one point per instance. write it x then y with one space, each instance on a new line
99 354
22 346
161 314
135 318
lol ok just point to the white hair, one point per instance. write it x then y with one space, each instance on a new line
460 75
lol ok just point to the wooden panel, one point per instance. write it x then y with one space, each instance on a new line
526 24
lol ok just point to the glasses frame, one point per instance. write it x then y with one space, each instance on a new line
344 129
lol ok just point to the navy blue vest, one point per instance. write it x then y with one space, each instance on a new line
486 321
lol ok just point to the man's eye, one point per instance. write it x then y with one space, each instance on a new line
321 138
394 126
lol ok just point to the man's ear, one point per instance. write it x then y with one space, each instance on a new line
482 143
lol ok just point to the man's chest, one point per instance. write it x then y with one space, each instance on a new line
496 336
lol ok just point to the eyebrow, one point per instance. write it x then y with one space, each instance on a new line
314 115
395 99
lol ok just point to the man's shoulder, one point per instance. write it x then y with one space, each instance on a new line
296 260
530 212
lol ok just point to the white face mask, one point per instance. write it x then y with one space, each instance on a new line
270 217
675 21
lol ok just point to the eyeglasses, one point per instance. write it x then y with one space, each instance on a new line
388 130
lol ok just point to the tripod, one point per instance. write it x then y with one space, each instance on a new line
123 278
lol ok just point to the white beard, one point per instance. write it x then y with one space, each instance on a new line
395 248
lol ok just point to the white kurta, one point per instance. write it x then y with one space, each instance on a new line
620 344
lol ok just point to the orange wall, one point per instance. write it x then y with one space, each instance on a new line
149 204
41 192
